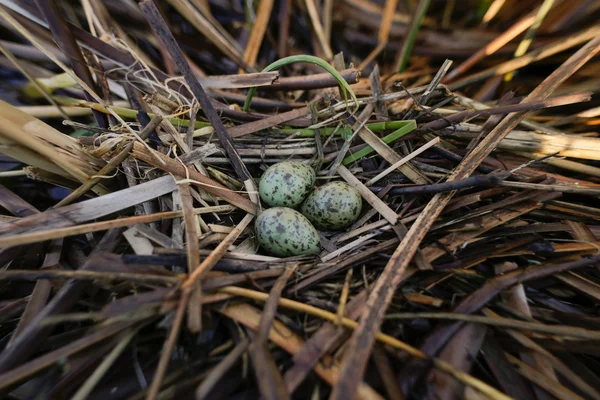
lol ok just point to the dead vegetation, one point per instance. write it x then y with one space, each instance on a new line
133 137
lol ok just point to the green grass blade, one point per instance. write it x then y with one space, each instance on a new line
123 112
409 41
344 86
397 134
530 34
374 126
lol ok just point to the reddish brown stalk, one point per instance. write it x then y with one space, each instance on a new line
362 340
492 47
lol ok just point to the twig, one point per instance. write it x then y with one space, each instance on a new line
269 379
192 231
422 101
169 165
313 81
216 255
387 17
56 233
258 32
110 166
319 344
386 339
316 23
341 311
212 30
514 31
500 110
89 209
553 188
381 295
204 389
103 368
284 27
536 55
66 41
371 198
34 334
265 123
401 162
29 369
33 81
168 346
474 181
160 27
529 35
89 276
561 330
549 385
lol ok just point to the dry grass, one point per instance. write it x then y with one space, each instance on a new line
469 132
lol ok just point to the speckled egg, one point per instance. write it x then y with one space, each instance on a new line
286 184
285 232
332 206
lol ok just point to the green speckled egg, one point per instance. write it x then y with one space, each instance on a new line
286 184
285 232
332 206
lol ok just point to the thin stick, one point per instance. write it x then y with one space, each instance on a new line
34 81
553 188
403 161
284 27
217 372
371 198
563 369
42 236
187 290
67 43
514 31
258 32
270 381
192 231
211 29
316 23
110 166
16 374
217 253
327 19
388 154
528 38
160 26
561 163
492 11
549 385
574 98
14 133
15 274
10 174
55 59
379 299
562 330
474 181
383 35
533 56
341 311
167 164
102 369
167 349
383 338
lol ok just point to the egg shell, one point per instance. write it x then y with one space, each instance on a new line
332 206
285 232
286 184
